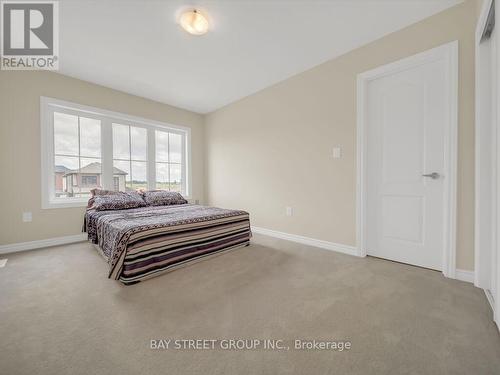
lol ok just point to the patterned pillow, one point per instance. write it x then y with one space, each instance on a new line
119 201
97 192
163 198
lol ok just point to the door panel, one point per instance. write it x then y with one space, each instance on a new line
402 135
406 114
396 207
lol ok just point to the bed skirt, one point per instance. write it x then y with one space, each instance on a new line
160 271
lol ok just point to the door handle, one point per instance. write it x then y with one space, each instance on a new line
433 175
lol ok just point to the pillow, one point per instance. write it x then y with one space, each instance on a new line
97 192
163 198
120 201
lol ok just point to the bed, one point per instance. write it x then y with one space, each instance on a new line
144 242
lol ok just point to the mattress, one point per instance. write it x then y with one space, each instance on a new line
145 242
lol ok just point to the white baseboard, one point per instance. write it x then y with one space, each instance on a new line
345 249
464 275
490 299
23 246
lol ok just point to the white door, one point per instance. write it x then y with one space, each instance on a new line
406 114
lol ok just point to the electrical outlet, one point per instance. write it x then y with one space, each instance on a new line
289 211
27 217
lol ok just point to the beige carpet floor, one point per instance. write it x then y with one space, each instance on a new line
59 314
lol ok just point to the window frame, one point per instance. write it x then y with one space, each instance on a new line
50 105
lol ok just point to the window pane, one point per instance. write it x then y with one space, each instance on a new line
161 146
162 176
139 175
121 145
69 163
89 180
175 177
90 137
64 169
65 134
119 182
139 140
90 175
122 169
175 148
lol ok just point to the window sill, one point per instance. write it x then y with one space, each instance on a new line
71 203
65 204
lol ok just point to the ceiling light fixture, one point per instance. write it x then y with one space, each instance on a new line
194 22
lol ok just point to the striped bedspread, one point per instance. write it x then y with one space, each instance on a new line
141 243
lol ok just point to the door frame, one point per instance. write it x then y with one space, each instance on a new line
493 254
449 52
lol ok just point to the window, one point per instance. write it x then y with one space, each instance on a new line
77 149
169 151
89 181
85 148
130 155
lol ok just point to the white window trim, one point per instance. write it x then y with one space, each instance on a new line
47 148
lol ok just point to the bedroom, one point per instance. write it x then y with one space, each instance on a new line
243 166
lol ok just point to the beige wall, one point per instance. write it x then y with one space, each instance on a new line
20 147
265 152
273 149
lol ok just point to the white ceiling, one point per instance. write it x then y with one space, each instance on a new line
136 46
